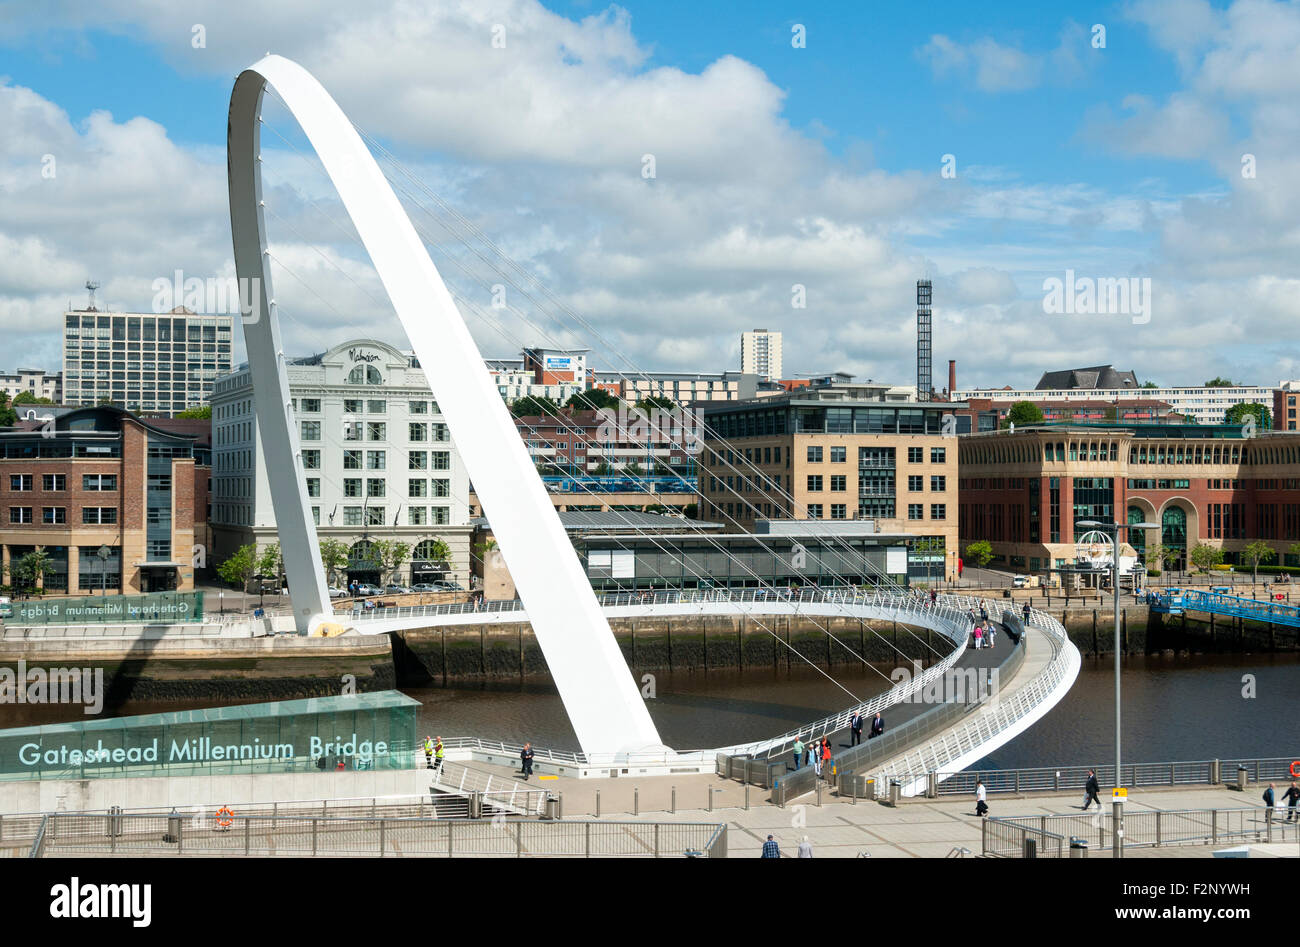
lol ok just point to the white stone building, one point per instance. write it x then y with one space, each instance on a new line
377 455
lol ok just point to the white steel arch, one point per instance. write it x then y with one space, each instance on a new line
598 690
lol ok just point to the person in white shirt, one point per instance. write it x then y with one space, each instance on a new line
981 805
805 848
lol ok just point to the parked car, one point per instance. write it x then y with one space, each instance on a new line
449 587
366 588
336 592
426 587
394 589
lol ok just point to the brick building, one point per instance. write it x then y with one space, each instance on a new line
104 477
1024 491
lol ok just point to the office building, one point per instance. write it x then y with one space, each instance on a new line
106 478
1024 491
377 457
146 362
760 354
838 452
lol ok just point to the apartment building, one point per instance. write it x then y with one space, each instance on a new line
760 354
104 478
36 382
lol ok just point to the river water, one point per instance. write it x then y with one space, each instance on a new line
1174 709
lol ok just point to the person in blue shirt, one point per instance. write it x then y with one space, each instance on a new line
771 849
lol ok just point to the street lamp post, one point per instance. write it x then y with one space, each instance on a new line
1112 529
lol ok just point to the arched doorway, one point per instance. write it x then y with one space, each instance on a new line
1173 535
363 566
429 561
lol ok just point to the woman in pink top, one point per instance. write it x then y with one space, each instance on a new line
979 636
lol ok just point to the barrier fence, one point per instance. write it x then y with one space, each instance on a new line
77 834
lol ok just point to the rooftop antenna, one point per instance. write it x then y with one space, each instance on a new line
91 286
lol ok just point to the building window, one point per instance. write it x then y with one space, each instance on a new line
352 460
418 431
938 511
20 483
915 484
376 407
441 487
417 460
417 488
839 484
375 516
441 460
54 482
315 515
376 431
351 405
938 455
98 515
352 486
313 486
814 454
54 515
417 515
839 511
916 511
419 407
365 375
915 455
158 549
441 516
839 455
814 482
20 514
311 405
375 460
375 488
938 484
814 511
351 516
311 460
311 430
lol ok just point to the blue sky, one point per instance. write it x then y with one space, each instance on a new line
818 165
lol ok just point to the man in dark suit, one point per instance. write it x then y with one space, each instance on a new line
877 727
1092 789
855 729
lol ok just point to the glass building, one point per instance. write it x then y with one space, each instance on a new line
359 731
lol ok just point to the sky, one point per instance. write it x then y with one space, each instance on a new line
649 179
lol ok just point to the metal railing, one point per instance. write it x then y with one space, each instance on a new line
1007 837
1142 829
997 718
78 834
502 792
1136 775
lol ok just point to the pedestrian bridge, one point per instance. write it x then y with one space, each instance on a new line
1038 685
1220 602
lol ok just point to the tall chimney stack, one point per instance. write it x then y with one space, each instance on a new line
952 379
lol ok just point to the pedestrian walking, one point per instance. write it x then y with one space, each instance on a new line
1026 610
1091 790
798 753
428 753
981 799
438 754
771 849
807 752
826 757
1270 802
805 848
984 614
979 637
817 764
993 636
526 757
855 729
877 726
1291 795
933 596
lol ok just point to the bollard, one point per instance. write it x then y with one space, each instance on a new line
1216 771
932 785
819 792
636 800
710 798
597 803
1078 847
1031 847
674 802
746 797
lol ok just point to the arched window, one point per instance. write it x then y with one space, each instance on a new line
1173 532
362 555
365 375
430 550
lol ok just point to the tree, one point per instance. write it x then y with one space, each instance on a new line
1024 412
8 418
1254 554
1238 413
1155 554
199 414
656 401
534 406
26 397
28 570
633 469
980 552
1204 556
333 557
270 563
1149 384
1293 550
603 469
390 554
1217 382
1171 556
239 566
593 399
